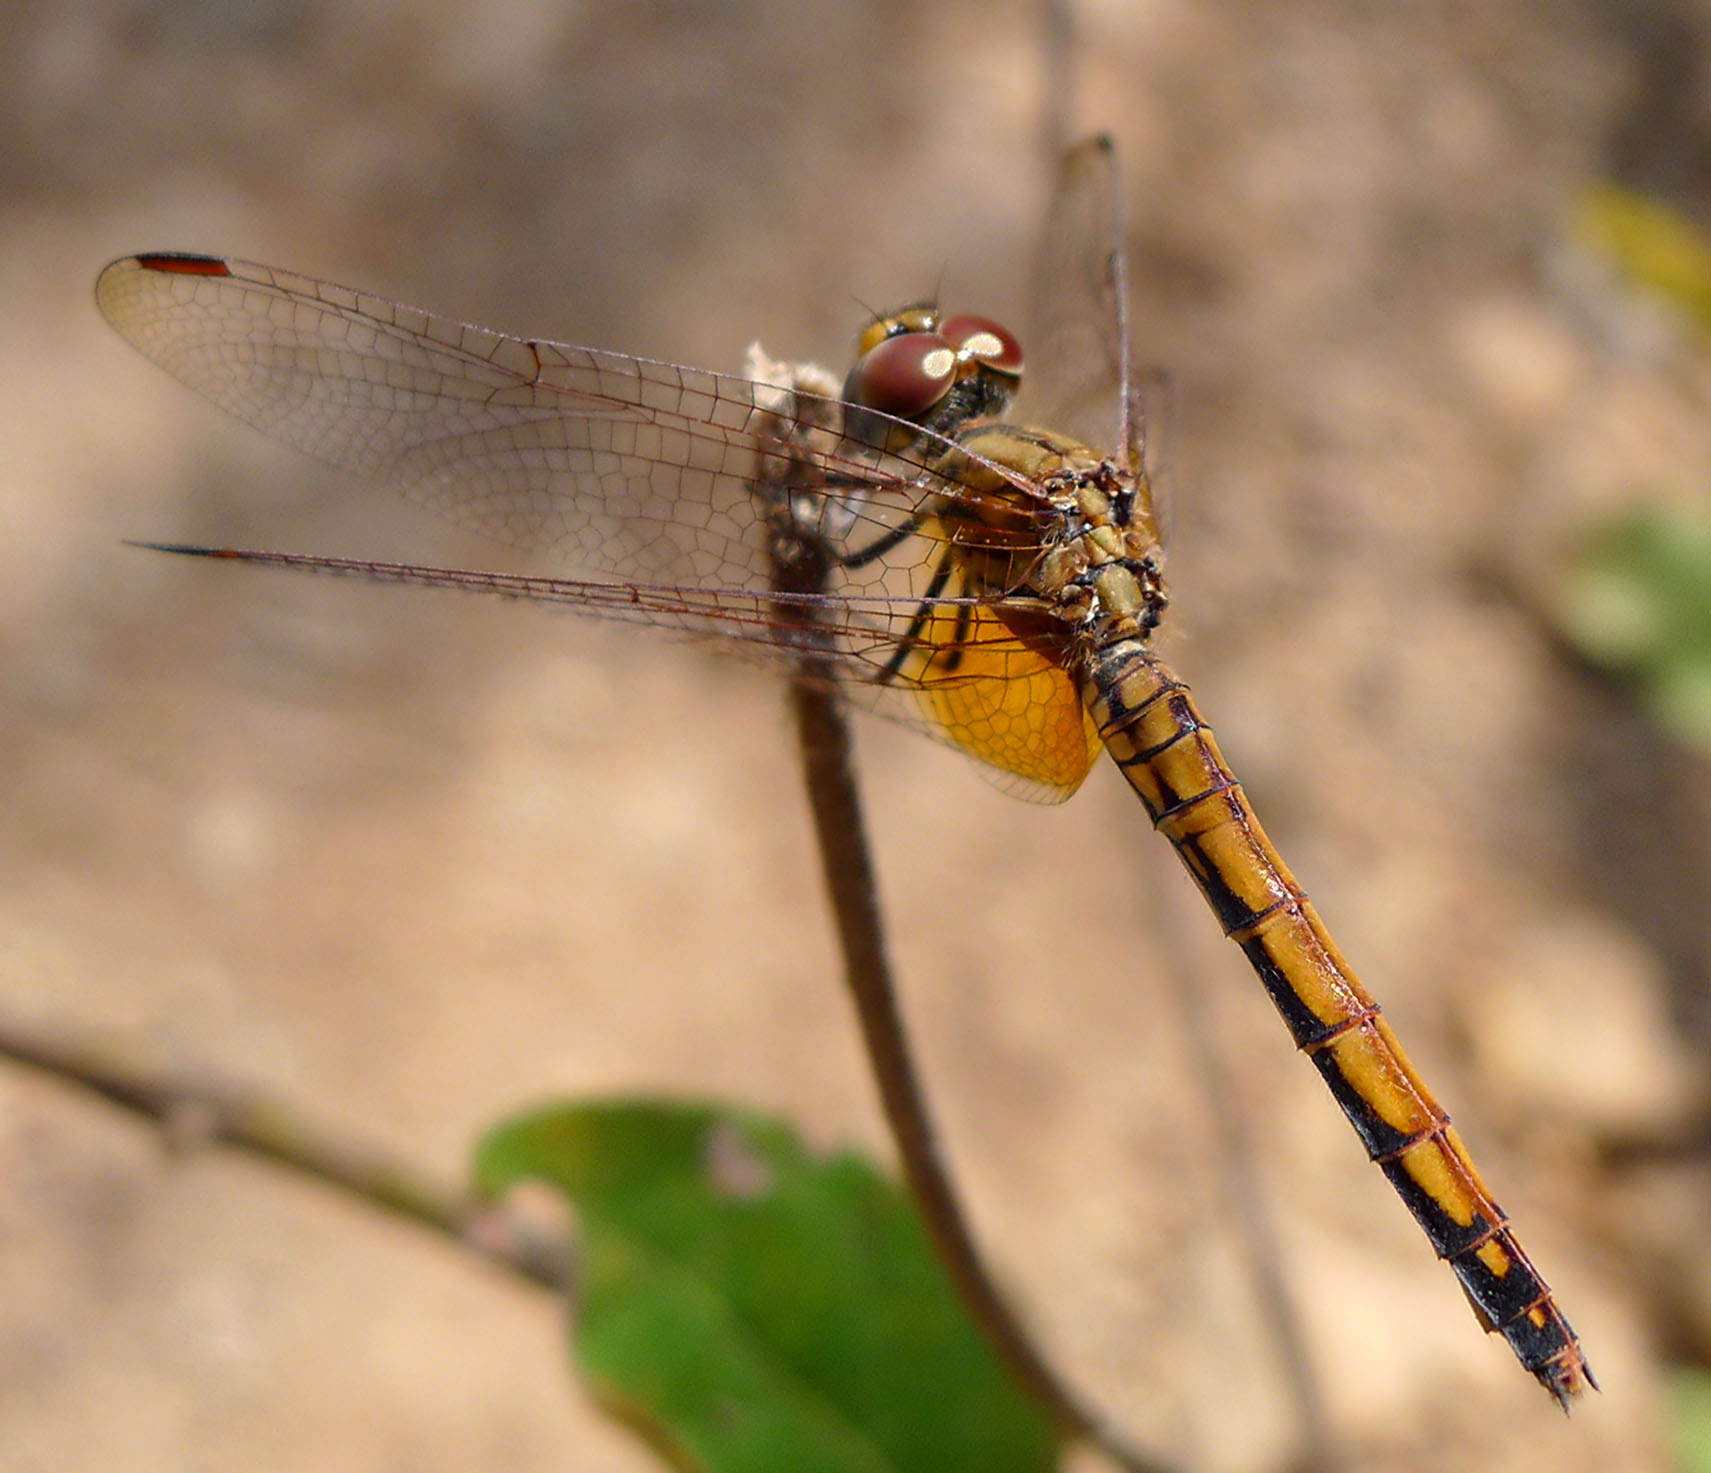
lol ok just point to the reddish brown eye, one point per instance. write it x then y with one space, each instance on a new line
904 376
981 338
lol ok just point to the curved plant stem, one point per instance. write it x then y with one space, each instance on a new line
801 565
824 738
196 1109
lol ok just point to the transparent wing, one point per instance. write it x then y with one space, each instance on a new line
1079 377
682 482
608 462
1153 410
953 668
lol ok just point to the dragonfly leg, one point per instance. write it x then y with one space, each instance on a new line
896 537
959 640
912 635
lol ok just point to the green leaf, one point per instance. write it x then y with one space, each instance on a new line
752 1308
1638 602
1690 1415
1651 245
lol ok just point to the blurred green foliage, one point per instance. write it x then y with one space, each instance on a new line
1638 599
1690 1403
1638 603
751 1308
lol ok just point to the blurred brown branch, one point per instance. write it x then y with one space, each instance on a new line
196 1108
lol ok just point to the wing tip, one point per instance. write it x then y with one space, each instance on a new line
178 263
180 549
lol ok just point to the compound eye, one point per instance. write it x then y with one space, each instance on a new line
903 376
980 338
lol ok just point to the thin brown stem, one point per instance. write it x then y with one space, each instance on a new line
198 1109
847 866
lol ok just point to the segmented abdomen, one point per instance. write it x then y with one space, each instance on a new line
1150 725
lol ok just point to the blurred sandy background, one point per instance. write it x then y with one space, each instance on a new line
412 863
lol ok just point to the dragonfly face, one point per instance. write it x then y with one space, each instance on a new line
935 372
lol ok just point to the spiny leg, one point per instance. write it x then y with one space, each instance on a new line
912 635
895 538
959 640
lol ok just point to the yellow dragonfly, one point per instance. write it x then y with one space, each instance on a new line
992 584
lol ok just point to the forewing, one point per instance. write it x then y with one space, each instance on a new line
612 463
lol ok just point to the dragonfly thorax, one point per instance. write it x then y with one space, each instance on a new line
1101 568
1105 576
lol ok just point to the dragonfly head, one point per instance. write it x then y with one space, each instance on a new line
929 370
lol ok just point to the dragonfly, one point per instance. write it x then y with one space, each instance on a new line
993 584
